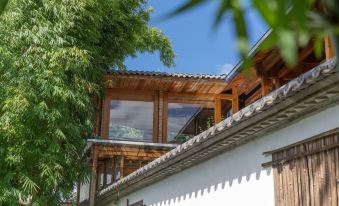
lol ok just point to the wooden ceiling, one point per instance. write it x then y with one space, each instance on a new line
166 84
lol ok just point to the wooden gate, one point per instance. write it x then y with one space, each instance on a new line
307 173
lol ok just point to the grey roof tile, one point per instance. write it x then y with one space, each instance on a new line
166 74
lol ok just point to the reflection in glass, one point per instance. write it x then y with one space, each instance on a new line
131 120
187 120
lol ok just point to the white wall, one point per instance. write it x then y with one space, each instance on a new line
234 178
84 191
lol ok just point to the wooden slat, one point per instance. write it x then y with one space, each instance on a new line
309 180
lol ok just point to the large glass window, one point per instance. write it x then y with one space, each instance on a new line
131 120
187 120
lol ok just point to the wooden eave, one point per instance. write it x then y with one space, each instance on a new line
166 84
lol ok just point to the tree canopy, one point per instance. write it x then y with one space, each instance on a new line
52 58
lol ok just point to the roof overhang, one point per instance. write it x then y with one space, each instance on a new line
178 83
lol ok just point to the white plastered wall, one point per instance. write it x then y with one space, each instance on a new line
234 178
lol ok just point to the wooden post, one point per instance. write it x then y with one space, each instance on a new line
122 165
98 117
217 110
93 185
156 117
164 117
235 101
160 115
329 50
106 113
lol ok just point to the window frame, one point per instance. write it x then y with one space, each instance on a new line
129 95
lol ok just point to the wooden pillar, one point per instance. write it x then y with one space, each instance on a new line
164 117
264 86
329 50
122 165
160 114
98 117
235 101
94 175
106 115
156 118
217 110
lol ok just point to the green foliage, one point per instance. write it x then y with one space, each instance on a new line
293 23
3 4
52 57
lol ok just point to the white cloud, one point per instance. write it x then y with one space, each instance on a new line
225 68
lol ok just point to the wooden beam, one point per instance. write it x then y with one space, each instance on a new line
106 116
93 184
204 103
131 94
190 96
217 110
235 101
224 96
165 118
329 50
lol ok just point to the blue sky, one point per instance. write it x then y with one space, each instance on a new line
199 47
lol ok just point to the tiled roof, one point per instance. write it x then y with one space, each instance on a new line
165 74
311 90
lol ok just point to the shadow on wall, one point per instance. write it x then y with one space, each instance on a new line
220 177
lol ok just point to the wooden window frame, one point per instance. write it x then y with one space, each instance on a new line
129 95
160 100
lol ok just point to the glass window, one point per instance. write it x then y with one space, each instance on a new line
187 120
131 120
